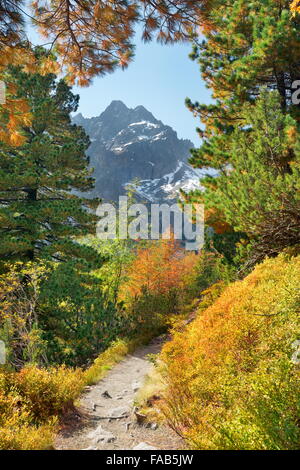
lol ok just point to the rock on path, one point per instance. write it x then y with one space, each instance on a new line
109 422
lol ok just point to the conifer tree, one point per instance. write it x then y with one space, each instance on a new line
88 39
43 220
251 45
94 37
259 192
40 213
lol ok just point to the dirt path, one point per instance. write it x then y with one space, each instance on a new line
107 419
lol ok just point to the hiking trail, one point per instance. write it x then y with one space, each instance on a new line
106 418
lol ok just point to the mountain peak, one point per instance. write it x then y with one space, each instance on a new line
141 113
117 105
78 119
129 143
118 110
140 108
115 108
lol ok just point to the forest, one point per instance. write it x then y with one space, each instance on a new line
72 306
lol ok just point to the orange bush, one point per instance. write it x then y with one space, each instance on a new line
159 267
158 285
231 381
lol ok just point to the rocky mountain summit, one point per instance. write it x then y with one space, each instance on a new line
132 145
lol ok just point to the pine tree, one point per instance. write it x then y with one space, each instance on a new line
250 45
41 215
43 220
88 39
259 192
93 38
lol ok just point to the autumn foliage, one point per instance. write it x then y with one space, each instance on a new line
230 372
29 403
158 268
160 283
88 39
93 38
232 383
295 6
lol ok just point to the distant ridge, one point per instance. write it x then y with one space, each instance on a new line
129 144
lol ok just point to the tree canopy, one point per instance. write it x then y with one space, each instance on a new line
40 212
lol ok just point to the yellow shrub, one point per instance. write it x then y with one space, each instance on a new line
17 428
49 392
27 437
30 402
231 382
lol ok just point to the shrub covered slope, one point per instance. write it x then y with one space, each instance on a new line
233 374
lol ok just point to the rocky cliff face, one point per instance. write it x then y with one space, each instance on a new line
130 144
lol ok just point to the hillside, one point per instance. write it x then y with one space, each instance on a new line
233 374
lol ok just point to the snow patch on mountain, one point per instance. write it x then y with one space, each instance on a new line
129 144
169 186
144 123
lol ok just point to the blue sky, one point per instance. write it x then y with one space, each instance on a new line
159 78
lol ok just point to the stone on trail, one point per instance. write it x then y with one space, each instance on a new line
100 435
140 418
127 425
120 411
136 386
152 426
144 446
